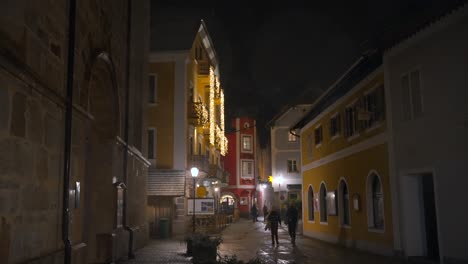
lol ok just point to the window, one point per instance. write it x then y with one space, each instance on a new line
323 203
373 107
411 96
246 143
310 203
291 137
335 125
310 146
375 202
151 143
318 136
247 169
153 84
343 203
292 166
350 120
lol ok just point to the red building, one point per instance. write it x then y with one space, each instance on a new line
240 162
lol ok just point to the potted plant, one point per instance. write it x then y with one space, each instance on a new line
203 247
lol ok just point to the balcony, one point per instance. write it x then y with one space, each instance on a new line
218 173
203 68
201 162
198 114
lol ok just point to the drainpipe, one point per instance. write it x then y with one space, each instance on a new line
68 131
131 254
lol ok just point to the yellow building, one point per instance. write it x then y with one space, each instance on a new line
186 127
346 187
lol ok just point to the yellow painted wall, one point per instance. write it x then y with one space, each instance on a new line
331 146
355 170
161 115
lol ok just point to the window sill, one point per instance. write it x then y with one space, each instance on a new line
376 230
335 137
318 145
323 223
351 138
311 222
346 226
375 126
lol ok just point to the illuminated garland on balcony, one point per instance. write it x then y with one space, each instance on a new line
212 108
202 113
224 141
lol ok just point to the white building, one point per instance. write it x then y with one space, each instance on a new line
286 153
427 90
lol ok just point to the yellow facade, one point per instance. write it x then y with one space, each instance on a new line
355 160
161 115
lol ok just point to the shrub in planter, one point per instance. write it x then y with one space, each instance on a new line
202 247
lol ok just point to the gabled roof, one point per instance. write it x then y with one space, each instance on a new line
283 112
365 65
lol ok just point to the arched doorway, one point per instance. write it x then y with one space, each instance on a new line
227 204
103 187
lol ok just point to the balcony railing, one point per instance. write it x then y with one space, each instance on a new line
203 68
201 162
198 114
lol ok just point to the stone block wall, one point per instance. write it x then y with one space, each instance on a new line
33 61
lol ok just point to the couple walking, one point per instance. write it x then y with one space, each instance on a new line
273 221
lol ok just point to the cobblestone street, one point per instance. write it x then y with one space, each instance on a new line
249 240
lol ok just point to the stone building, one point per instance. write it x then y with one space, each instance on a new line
106 193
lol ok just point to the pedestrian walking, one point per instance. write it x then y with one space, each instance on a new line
265 212
291 220
253 212
274 220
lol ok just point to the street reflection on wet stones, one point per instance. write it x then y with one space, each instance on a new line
249 241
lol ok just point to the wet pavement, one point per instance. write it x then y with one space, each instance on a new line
248 240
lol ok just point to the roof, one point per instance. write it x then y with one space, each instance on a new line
365 65
283 112
418 22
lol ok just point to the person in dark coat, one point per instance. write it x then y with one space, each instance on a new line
265 212
291 220
253 212
274 220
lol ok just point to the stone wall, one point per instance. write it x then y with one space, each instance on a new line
33 56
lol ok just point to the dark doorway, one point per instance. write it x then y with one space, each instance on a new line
430 217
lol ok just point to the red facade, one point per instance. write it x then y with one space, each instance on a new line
240 162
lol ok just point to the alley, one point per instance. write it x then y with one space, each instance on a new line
247 240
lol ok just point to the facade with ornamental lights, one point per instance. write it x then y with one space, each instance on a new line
186 127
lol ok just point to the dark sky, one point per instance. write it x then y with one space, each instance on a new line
273 56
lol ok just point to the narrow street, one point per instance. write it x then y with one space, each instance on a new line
249 240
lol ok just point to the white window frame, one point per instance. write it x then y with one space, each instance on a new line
293 164
319 127
154 88
323 204
411 100
246 176
291 138
338 133
243 150
341 211
370 203
310 204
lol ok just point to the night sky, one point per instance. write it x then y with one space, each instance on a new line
274 56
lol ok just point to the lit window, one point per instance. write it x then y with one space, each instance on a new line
247 169
246 143
291 137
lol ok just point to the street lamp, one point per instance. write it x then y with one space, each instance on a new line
280 181
216 189
194 172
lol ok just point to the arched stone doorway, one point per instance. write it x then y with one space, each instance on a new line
103 187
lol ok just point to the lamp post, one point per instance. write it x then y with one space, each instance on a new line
194 172
216 189
280 180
